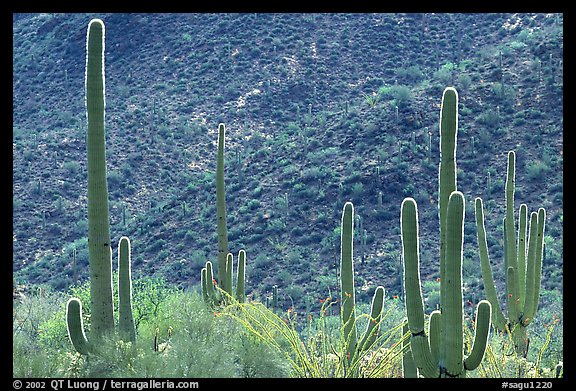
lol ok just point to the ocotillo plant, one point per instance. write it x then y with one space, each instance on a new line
522 264
100 251
348 309
441 354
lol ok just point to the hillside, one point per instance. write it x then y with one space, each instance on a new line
319 109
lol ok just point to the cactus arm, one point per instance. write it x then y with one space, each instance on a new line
75 326
241 277
126 324
347 280
419 344
210 283
425 363
490 290
522 219
434 334
203 284
409 369
534 269
102 307
447 169
373 326
513 296
221 211
229 272
483 315
451 351
411 258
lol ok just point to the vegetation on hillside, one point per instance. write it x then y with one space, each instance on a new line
316 118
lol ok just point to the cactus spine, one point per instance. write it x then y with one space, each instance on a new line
522 263
100 249
441 353
352 347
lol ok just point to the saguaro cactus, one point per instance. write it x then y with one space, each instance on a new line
207 281
102 309
100 250
241 277
352 347
126 326
441 354
221 214
522 264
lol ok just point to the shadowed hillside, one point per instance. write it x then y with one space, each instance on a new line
319 109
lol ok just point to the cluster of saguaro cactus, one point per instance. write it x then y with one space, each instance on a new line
213 296
353 347
522 264
100 251
225 258
441 353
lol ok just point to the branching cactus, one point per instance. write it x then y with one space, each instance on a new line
213 296
100 249
523 254
348 307
126 326
221 214
441 353
102 309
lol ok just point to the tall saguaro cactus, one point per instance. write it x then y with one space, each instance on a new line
100 249
441 353
225 259
221 214
102 308
522 263
353 347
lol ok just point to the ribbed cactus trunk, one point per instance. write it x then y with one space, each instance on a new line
100 253
523 255
409 369
348 301
447 169
241 277
126 326
221 214
441 353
